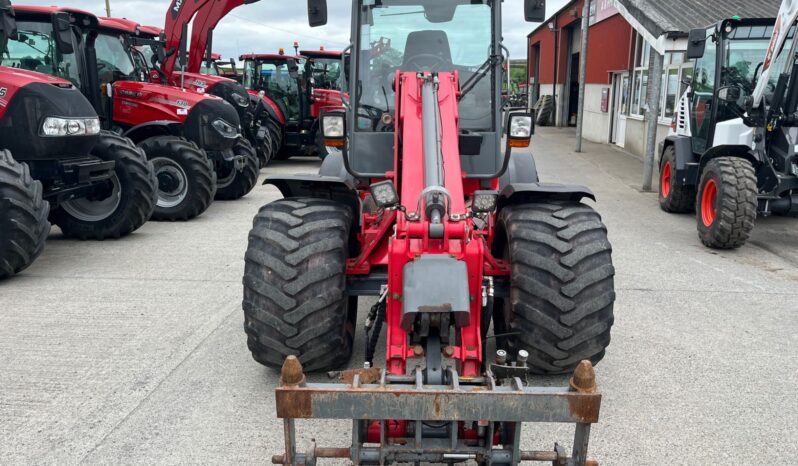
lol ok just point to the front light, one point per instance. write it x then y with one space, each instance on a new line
484 201
54 126
521 127
333 126
224 128
384 194
240 100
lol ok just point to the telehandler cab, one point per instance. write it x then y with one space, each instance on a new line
425 212
56 163
731 151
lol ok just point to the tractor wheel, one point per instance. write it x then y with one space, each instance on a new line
673 197
560 308
265 150
23 216
124 205
295 300
726 203
232 184
277 136
186 180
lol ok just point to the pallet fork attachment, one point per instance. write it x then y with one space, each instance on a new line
498 403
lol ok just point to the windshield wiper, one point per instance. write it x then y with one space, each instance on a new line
481 72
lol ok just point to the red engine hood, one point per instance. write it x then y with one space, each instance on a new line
14 79
198 82
136 103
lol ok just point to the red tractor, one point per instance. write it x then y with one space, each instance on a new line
56 164
281 79
207 78
237 167
425 212
183 133
324 71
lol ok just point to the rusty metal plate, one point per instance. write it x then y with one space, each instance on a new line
533 404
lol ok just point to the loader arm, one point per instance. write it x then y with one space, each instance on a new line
205 14
205 21
788 13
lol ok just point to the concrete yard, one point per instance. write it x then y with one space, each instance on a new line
133 351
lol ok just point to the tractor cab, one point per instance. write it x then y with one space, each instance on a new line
325 69
280 77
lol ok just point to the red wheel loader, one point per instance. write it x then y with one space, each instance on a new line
178 130
437 213
56 164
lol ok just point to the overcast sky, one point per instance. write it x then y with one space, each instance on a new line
269 24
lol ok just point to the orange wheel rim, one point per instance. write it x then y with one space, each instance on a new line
665 181
708 203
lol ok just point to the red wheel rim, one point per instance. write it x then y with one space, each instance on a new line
708 199
665 182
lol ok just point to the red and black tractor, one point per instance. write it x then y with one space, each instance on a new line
325 71
183 133
159 48
435 212
282 80
236 167
56 164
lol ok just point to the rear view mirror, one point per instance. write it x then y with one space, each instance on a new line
535 11
696 43
233 66
317 13
63 32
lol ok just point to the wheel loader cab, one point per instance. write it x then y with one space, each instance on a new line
393 36
732 58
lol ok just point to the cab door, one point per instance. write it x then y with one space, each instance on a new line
703 100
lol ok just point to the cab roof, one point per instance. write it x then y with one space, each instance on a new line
88 18
320 53
120 24
269 56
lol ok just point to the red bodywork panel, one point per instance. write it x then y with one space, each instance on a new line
325 100
271 104
136 103
14 79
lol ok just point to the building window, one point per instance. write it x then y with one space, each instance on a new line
675 70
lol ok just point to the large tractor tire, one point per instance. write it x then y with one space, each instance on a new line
265 149
186 180
726 203
560 308
673 197
276 135
295 300
231 183
123 206
544 110
23 216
